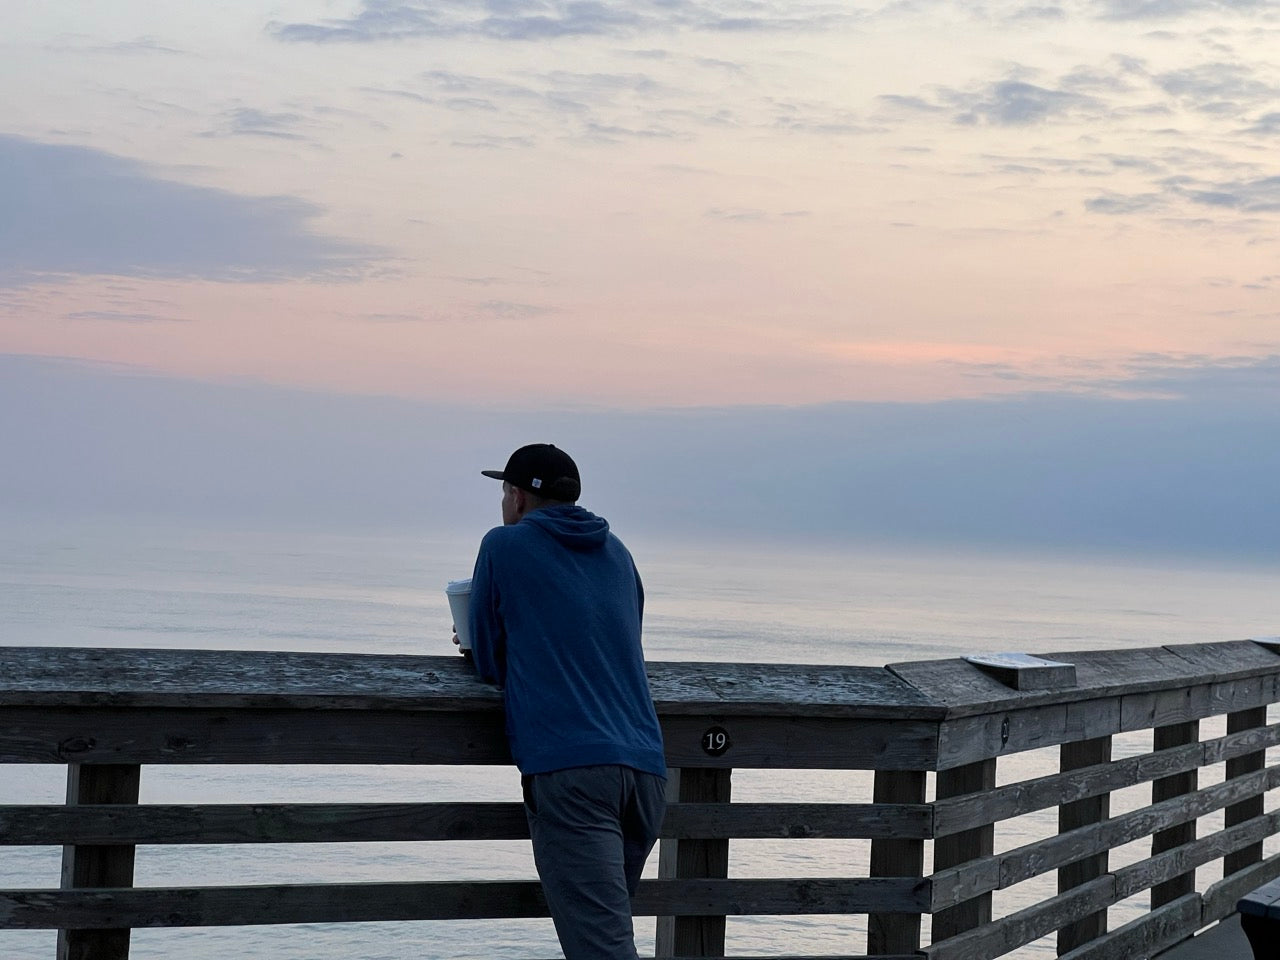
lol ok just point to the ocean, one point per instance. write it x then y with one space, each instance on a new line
150 585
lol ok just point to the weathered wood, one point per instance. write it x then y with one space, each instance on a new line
1000 936
957 848
1004 870
971 738
256 735
1072 816
1228 660
985 874
84 707
227 679
897 932
95 735
1167 866
1041 856
800 821
98 866
1249 740
1100 674
1174 735
1253 806
262 823
1024 672
1221 897
808 743
685 935
956 885
1145 935
39 824
441 900
1041 793
282 679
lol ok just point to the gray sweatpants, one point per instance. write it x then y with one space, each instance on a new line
592 830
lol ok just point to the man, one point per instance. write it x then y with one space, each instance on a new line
556 605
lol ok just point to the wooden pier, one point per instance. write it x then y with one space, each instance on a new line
956 749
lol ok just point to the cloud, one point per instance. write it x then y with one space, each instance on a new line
75 210
142 45
1267 125
391 318
1200 378
533 20
1170 9
1217 88
1260 195
752 215
1113 203
1018 103
512 310
1249 196
247 122
116 316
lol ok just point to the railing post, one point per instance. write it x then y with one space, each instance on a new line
958 848
1253 806
1166 788
693 859
98 865
1082 813
896 933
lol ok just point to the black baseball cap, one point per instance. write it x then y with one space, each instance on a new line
544 470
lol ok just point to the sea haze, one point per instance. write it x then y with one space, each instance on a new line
1180 461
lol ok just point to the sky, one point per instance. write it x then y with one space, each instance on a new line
1035 236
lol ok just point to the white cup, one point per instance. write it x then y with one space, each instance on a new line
459 594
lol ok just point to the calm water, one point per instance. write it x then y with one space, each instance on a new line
107 586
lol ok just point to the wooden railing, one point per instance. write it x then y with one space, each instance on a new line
957 749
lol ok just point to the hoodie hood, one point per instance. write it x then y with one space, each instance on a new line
571 525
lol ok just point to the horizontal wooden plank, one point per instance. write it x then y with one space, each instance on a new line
1146 935
65 676
1051 853
1041 793
249 735
226 679
1221 898
132 824
1167 707
798 821
807 743
347 902
1145 874
1008 933
253 735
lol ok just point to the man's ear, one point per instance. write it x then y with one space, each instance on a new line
520 497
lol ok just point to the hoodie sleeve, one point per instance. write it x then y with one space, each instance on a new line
488 638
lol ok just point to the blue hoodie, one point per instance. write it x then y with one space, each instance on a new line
556 605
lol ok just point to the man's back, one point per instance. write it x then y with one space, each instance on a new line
557 605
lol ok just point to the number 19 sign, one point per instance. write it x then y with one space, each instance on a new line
716 741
